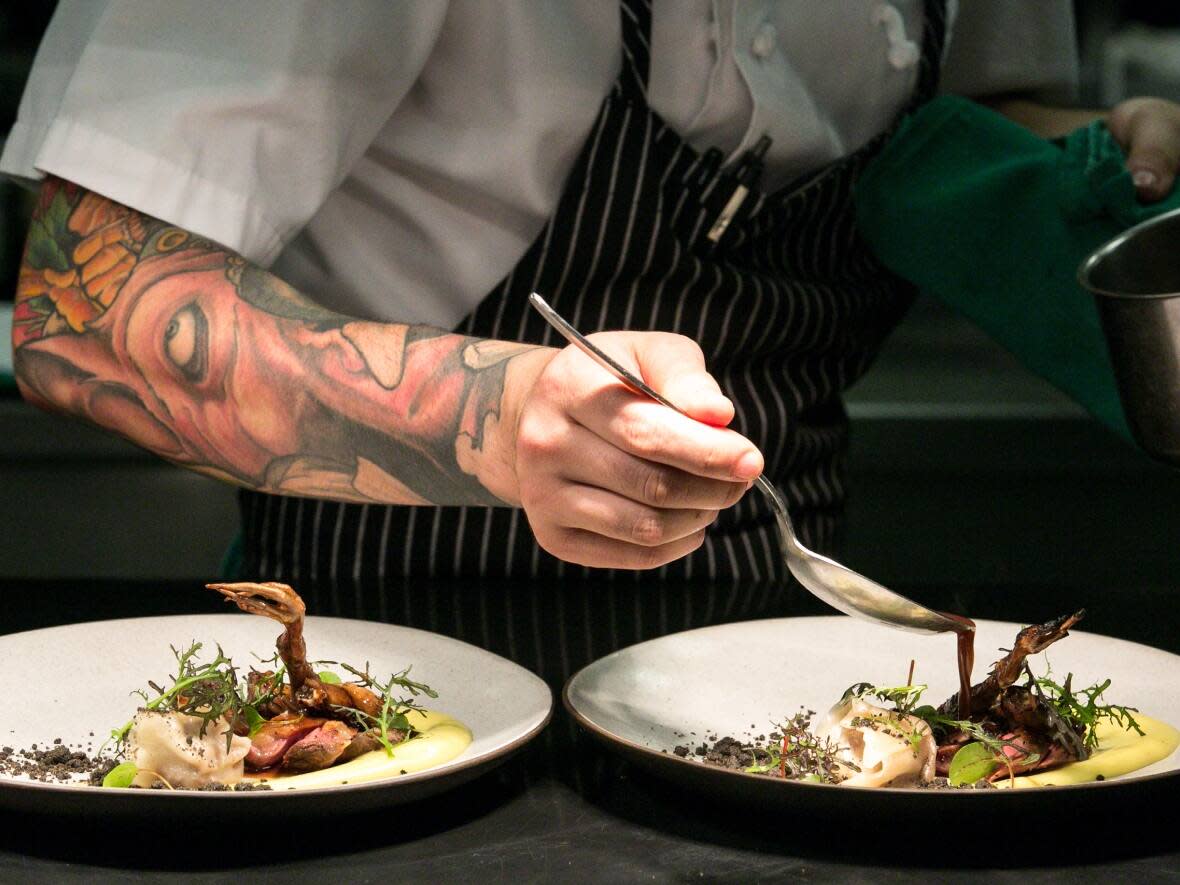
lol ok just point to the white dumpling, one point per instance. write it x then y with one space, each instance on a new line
890 750
170 745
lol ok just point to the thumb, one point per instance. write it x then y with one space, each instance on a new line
675 366
1149 132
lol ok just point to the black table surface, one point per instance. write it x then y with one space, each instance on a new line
601 819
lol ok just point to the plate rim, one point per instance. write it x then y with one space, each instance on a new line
700 770
440 773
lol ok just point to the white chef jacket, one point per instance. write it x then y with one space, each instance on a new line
396 159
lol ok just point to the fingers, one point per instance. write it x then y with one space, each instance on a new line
1149 131
611 479
653 432
592 504
597 551
604 513
646 482
675 366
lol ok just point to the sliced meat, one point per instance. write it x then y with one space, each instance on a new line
1051 756
271 742
1025 745
319 748
1022 745
367 742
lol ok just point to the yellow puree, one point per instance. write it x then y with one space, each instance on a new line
1119 752
441 739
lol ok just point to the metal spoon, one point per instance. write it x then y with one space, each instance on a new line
837 585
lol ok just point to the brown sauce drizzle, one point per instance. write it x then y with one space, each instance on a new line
966 639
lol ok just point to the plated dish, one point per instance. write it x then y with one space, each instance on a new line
739 680
85 675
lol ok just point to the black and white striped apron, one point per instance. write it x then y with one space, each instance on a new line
790 308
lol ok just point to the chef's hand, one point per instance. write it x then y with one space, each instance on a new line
611 479
1148 129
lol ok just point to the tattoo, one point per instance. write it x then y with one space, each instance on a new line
190 351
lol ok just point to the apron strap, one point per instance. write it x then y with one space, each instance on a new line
933 44
635 19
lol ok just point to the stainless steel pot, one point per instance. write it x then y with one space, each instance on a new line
1135 279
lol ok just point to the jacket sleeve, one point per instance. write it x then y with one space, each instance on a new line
234 123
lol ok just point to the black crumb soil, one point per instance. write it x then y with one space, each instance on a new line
54 764
58 764
730 753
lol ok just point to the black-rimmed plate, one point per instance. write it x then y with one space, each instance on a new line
739 679
74 683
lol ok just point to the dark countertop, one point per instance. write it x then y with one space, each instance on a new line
566 810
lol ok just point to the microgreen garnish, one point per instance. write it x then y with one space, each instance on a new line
264 686
394 712
208 691
802 755
903 697
972 762
995 747
254 720
1082 707
121 775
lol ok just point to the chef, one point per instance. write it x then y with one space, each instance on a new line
290 245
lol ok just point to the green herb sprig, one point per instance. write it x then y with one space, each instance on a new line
801 755
394 712
1082 708
209 691
903 697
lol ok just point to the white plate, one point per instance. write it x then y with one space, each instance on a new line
75 683
739 679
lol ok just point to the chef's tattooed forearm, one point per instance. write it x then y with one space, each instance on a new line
192 352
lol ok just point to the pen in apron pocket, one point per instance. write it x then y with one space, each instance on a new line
745 177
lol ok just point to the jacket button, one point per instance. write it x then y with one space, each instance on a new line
902 52
764 41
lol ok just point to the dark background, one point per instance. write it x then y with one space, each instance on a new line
19 35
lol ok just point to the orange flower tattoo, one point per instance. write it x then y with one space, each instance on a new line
81 249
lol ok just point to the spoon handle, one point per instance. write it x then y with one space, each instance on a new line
576 338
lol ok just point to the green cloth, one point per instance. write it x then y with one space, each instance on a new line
988 218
